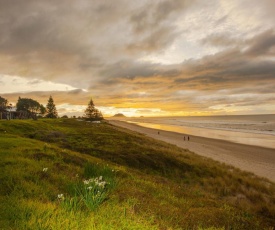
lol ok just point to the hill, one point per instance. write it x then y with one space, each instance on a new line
119 115
68 174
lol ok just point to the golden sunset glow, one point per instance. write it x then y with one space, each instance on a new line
147 58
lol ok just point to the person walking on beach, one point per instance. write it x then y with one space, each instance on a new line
188 138
184 138
158 132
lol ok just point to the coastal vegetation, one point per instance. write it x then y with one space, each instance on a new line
29 105
72 174
92 113
28 108
51 111
3 103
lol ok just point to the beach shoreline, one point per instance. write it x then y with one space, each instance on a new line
254 159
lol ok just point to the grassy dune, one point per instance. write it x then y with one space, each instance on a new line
131 182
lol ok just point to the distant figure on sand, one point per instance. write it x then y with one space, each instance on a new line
184 138
158 132
188 138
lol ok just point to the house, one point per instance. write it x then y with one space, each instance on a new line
11 113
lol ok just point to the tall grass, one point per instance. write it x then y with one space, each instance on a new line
64 174
90 192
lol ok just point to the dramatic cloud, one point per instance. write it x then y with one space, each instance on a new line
263 44
150 57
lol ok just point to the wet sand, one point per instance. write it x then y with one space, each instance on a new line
258 160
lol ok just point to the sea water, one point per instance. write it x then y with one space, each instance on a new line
256 130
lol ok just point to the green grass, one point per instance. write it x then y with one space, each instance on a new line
149 184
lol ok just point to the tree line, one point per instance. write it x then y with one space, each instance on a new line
29 108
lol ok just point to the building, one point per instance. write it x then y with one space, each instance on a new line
11 113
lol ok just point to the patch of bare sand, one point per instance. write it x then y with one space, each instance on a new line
258 160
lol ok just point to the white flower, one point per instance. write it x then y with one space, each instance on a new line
90 188
102 184
45 169
60 196
86 181
100 178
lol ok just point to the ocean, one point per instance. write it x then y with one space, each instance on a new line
256 130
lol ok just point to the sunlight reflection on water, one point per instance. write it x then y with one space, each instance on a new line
262 140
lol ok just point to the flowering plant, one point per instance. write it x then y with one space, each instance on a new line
93 192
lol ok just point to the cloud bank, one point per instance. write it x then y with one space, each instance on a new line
163 57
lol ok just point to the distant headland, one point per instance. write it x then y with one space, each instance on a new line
119 115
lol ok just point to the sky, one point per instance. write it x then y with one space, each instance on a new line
140 58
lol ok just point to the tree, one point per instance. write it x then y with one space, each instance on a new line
3 104
3 107
29 107
43 110
28 104
92 113
51 111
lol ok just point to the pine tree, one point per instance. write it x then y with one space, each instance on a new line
51 111
92 113
3 104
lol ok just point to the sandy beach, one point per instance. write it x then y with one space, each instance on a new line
258 160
